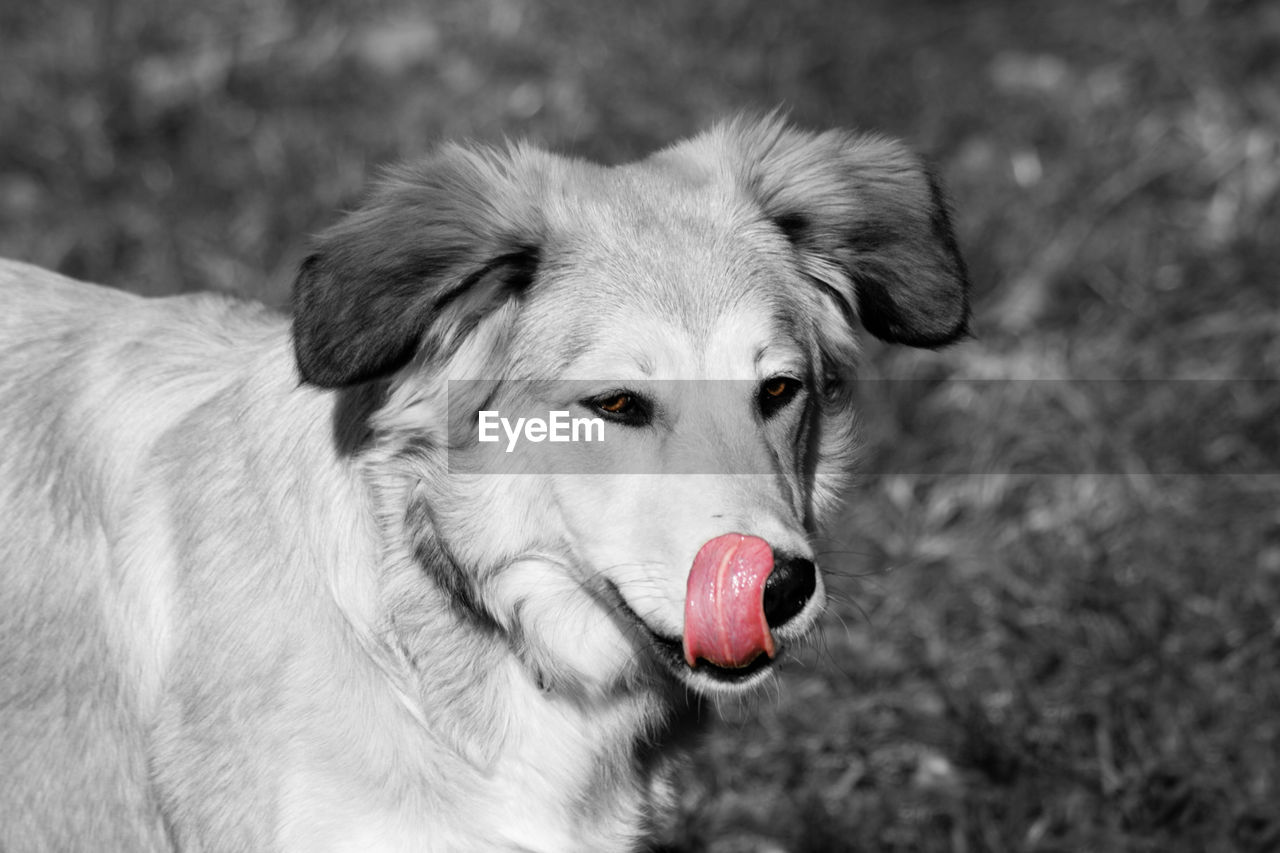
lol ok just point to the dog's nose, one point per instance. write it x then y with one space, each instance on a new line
788 589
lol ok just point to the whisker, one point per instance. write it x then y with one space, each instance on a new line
842 552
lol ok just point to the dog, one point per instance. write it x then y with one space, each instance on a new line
263 587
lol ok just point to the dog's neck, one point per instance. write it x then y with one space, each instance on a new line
599 758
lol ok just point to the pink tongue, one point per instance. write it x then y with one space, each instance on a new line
724 608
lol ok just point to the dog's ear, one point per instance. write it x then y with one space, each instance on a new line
435 246
869 224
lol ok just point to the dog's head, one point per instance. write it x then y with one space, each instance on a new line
703 305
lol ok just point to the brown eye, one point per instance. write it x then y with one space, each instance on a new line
615 405
622 407
776 387
775 393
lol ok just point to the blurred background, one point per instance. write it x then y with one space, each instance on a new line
1056 602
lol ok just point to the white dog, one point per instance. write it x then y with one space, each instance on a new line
262 587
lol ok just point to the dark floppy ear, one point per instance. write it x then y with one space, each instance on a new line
869 223
434 247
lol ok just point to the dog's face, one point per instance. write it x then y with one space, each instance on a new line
701 305
671 320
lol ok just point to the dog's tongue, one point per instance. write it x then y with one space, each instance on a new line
724 620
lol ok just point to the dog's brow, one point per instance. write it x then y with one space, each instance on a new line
762 352
643 363
621 365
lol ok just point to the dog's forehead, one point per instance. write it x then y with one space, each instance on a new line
654 239
650 199
646 265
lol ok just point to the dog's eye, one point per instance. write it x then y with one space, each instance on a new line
622 407
616 405
776 392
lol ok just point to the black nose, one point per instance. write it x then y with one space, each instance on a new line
788 588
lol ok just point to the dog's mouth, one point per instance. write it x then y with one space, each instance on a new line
682 657
705 674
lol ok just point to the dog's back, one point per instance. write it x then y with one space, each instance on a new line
91 379
70 721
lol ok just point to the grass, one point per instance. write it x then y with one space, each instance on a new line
1054 623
